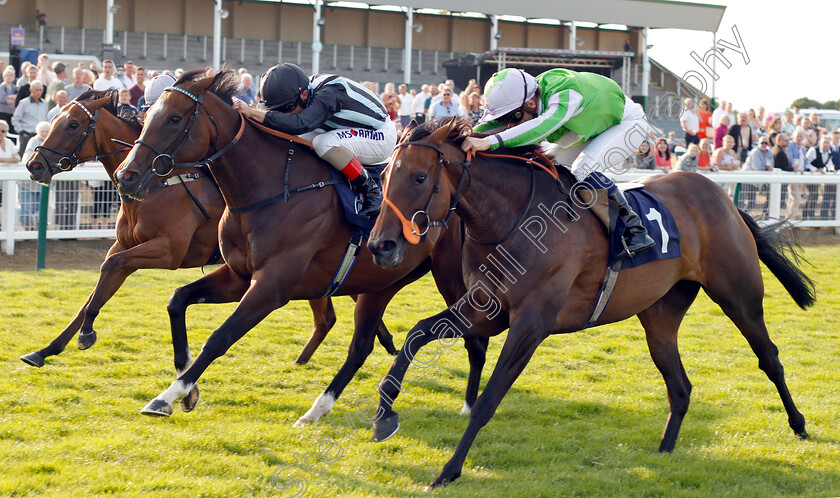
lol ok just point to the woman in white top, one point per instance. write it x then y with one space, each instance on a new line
29 193
8 151
724 158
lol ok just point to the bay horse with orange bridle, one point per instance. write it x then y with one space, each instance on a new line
178 230
548 284
282 236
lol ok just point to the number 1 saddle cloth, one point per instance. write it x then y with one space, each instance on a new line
659 223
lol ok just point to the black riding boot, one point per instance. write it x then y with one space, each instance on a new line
365 184
636 238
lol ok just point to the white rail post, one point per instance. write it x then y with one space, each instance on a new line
409 35
774 211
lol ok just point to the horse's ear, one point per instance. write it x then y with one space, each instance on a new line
407 131
440 135
204 83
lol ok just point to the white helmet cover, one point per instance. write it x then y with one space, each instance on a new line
505 91
155 88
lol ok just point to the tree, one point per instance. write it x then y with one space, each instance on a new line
805 103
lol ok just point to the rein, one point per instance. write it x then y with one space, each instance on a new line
68 162
411 230
181 139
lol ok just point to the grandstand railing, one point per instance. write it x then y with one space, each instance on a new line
808 200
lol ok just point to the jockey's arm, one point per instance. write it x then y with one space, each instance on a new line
560 109
319 109
257 115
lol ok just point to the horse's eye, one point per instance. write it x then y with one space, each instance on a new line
419 178
175 119
73 125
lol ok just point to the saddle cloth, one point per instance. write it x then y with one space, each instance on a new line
351 202
660 226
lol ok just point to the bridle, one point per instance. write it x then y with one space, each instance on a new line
68 162
166 158
411 230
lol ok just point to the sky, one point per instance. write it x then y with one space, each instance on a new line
792 48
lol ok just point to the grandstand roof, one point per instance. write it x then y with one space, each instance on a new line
651 13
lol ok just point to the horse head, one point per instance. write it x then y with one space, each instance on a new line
177 133
418 188
71 139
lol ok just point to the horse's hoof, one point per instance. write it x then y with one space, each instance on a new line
445 479
33 359
385 428
157 408
86 340
190 400
302 422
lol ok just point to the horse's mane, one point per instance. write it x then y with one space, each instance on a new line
225 84
461 130
113 96
456 135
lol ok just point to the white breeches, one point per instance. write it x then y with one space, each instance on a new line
369 146
611 147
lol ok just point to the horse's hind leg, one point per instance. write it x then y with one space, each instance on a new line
323 314
369 310
743 305
661 322
477 353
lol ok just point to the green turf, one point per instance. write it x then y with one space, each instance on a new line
585 418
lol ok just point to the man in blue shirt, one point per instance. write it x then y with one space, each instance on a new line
247 91
446 106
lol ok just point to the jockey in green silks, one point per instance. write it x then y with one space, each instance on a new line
587 115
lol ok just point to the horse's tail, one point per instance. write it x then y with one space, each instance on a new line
780 252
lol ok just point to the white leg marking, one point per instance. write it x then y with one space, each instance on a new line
322 406
466 409
176 391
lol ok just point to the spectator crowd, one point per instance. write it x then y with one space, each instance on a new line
711 140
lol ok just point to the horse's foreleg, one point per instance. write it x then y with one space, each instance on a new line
661 322
451 324
59 343
446 268
220 286
118 265
522 340
368 316
36 358
323 314
266 292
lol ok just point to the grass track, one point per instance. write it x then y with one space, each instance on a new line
584 419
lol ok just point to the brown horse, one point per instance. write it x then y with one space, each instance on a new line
282 235
180 231
553 263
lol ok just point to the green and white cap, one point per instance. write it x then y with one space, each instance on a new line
505 91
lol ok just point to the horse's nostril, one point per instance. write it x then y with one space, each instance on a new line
35 166
386 246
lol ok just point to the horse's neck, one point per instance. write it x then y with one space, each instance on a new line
495 193
108 127
255 168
